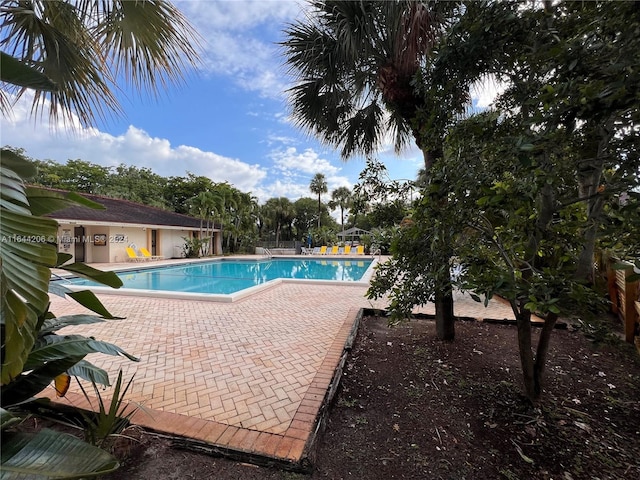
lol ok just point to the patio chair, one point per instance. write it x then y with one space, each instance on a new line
145 253
133 256
340 251
347 249
334 250
360 250
323 250
316 251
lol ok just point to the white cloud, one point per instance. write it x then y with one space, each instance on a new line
485 91
289 162
133 147
240 40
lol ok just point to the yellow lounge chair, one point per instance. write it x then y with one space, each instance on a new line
133 256
347 249
323 250
334 250
360 250
145 253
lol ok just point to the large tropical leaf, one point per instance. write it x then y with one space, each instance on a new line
88 371
29 384
110 279
15 72
51 325
48 454
25 255
43 201
7 419
55 347
87 299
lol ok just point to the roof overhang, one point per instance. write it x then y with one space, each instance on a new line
95 223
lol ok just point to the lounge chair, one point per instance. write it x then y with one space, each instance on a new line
334 250
340 251
316 251
133 256
347 249
360 250
145 253
323 250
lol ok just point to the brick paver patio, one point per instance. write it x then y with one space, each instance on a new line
248 376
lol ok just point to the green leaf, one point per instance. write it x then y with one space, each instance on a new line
19 324
87 299
15 163
51 454
29 384
18 73
55 324
55 347
634 277
63 258
88 371
110 279
7 419
44 201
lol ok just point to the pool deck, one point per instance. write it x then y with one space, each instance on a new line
248 378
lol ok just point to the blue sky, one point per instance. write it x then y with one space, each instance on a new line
229 121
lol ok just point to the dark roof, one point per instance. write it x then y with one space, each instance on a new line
123 211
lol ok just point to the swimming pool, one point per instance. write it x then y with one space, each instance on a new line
229 279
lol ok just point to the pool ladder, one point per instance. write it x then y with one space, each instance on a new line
267 253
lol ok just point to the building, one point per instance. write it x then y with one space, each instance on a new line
102 235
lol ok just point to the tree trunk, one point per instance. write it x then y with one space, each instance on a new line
523 322
445 319
533 366
445 326
541 352
589 179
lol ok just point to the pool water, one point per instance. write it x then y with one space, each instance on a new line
231 276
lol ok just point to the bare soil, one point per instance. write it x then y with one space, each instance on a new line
412 407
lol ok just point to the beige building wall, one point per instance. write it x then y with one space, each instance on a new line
108 243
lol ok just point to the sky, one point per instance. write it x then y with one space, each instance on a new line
229 121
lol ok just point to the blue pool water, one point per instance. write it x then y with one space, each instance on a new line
231 276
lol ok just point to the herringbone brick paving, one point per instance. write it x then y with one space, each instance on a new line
249 375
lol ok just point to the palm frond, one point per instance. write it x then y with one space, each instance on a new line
353 60
86 46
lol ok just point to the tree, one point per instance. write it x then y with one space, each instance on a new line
279 212
516 207
85 47
341 198
178 191
318 186
202 206
356 64
306 211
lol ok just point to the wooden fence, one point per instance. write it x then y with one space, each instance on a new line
625 301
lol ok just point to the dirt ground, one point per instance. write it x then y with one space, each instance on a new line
411 407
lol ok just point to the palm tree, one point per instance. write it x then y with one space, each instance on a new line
279 212
356 64
341 197
202 206
82 48
318 186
